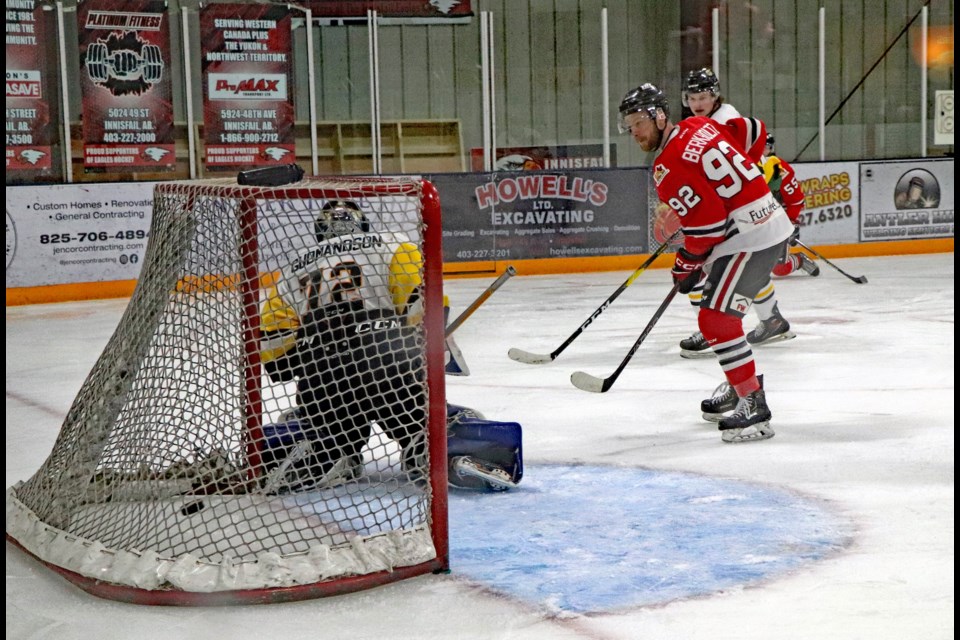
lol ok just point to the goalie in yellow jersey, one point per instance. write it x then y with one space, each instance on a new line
341 322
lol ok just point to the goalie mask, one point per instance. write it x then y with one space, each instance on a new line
770 148
699 81
340 218
646 98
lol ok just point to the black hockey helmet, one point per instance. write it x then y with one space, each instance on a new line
770 141
647 98
702 80
340 217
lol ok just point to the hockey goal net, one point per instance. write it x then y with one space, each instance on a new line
192 468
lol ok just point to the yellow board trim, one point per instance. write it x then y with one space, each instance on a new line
549 266
545 266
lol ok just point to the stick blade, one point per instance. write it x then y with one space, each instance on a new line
587 382
527 357
861 280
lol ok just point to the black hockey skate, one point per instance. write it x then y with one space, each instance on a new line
809 265
750 421
695 346
773 329
723 400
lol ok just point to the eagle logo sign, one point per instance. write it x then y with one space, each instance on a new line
276 152
155 153
517 162
444 6
32 155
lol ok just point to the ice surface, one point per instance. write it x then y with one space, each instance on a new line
863 408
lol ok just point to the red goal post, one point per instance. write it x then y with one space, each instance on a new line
185 474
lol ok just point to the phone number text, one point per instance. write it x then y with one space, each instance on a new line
93 236
483 254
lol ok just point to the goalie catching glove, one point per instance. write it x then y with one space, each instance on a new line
687 269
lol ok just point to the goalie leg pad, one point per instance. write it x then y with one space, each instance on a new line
279 438
486 442
456 412
468 473
293 461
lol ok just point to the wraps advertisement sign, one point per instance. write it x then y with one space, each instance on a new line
31 92
125 82
247 85
540 214
831 210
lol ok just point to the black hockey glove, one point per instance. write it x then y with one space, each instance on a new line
687 269
328 329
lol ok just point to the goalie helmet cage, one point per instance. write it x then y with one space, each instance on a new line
172 478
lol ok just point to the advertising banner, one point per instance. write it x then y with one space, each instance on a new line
247 85
543 215
831 211
31 92
63 234
564 157
905 200
125 85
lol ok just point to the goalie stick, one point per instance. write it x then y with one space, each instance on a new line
527 357
496 284
588 382
857 279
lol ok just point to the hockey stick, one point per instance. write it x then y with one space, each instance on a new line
857 279
536 358
588 382
496 284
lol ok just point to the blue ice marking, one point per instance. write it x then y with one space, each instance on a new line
592 539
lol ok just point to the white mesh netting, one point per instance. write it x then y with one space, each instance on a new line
261 417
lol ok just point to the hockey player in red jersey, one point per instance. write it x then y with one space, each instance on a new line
701 97
783 182
734 228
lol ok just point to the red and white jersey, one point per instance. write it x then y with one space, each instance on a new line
707 172
724 112
791 194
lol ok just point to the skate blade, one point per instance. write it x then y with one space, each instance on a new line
756 432
715 417
696 355
789 335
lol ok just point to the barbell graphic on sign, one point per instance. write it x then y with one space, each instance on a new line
124 65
